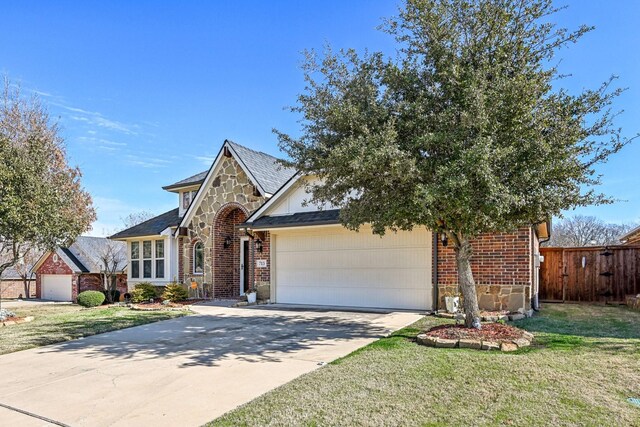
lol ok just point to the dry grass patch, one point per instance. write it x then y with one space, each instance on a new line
584 364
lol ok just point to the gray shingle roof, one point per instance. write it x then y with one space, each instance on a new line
329 216
86 251
269 173
152 226
266 169
192 180
12 274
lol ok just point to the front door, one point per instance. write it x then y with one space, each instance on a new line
244 266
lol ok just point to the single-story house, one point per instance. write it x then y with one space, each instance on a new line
243 224
632 237
12 284
63 273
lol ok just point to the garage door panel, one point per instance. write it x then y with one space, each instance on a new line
356 278
56 287
418 258
340 267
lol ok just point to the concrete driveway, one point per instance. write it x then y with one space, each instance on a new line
183 371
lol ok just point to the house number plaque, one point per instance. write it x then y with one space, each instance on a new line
261 263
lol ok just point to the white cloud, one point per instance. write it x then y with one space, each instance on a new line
205 160
95 118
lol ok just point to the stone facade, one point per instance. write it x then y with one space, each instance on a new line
14 288
228 200
502 266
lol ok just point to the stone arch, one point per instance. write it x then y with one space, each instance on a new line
226 249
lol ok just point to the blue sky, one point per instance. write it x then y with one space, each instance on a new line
147 91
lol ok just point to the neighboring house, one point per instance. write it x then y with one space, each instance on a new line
12 284
244 223
65 272
632 237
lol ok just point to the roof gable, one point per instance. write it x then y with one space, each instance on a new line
263 170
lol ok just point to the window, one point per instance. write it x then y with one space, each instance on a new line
186 199
159 259
135 257
198 258
146 255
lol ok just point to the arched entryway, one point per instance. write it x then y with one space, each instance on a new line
228 246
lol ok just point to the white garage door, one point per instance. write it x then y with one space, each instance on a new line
334 266
56 287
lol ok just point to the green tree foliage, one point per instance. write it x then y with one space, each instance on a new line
42 202
175 292
466 131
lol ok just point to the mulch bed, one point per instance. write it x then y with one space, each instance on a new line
489 332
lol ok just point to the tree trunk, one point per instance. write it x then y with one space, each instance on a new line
27 288
467 284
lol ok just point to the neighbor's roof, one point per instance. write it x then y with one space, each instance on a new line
298 219
86 251
152 226
631 234
11 273
266 169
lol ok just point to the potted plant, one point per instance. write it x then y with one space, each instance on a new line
251 294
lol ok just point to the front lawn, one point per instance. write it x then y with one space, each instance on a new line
583 366
62 322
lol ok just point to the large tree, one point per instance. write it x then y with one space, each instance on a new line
42 202
467 131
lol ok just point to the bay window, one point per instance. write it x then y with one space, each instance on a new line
135 260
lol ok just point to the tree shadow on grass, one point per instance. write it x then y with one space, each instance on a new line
205 340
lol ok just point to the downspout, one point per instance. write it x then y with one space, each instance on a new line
535 301
436 296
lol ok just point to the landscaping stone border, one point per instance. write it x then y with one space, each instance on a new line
17 321
511 345
503 317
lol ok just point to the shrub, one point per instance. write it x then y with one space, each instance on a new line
90 298
175 292
115 296
143 292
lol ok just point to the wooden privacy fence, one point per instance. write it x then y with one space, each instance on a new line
590 274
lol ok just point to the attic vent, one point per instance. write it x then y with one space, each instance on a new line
55 258
226 152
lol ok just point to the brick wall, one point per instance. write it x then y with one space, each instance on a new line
51 266
15 288
94 282
226 261
501 266
263 275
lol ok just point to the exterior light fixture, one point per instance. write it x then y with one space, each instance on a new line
259 245
227 242
445 240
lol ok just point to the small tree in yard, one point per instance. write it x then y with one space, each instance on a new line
463 133
24 267
42 201
112 258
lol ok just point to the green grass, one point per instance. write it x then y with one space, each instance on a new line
583 366
63 322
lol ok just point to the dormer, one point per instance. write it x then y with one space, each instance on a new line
186 190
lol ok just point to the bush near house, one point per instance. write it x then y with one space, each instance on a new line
90 298
143 292
175 292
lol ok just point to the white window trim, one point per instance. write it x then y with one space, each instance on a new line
141 259
193 255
